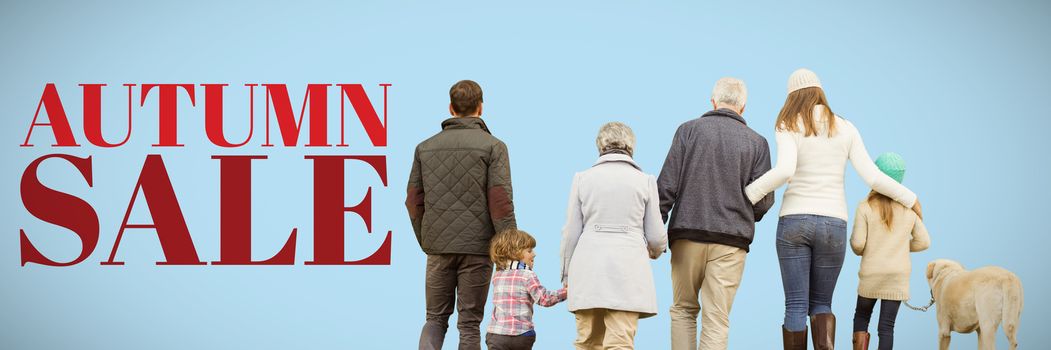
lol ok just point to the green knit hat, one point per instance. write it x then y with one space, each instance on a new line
892 164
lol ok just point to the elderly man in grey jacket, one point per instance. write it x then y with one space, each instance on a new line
711 160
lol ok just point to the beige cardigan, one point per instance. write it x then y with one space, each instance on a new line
885 263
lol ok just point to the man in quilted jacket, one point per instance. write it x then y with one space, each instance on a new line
459 195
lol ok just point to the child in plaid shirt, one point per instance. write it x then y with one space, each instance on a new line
515 289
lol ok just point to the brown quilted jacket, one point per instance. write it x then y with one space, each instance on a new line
459 191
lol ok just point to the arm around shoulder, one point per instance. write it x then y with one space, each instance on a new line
873 177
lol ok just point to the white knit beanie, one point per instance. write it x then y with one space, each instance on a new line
802 78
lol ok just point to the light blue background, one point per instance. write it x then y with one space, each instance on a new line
959 88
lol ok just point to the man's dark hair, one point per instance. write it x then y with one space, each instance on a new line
465 97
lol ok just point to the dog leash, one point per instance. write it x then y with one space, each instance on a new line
924 308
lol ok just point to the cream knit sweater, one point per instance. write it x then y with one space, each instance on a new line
885 263
814 167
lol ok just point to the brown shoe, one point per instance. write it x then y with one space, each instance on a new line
824 331
861 340
794 340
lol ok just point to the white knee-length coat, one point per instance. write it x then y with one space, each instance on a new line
613 228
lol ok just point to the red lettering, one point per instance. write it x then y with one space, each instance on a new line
376 130
213 114
167 216
56 116
329 211
58 208
168 111
235 216
93 115
277 95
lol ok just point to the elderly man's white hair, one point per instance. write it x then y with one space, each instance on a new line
730 92
615 136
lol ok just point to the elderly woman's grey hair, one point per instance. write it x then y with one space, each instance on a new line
730 92
615 136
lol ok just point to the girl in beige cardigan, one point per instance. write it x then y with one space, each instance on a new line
884 234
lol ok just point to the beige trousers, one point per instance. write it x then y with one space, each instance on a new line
599 329
715 271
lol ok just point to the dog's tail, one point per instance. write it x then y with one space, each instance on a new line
1012 307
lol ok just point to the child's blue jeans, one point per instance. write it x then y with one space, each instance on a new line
810 249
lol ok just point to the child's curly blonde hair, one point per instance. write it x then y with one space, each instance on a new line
507 246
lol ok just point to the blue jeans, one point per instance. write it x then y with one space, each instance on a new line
810 249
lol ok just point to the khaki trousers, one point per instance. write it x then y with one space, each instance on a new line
599 329
715 271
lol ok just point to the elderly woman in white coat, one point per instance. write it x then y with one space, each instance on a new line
613 228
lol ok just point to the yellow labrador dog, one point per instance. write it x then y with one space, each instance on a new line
978 300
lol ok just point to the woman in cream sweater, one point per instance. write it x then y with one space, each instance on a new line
813 147
884 234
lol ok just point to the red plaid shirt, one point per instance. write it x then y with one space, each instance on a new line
515 289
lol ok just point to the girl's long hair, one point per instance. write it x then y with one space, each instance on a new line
799 106
884 206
